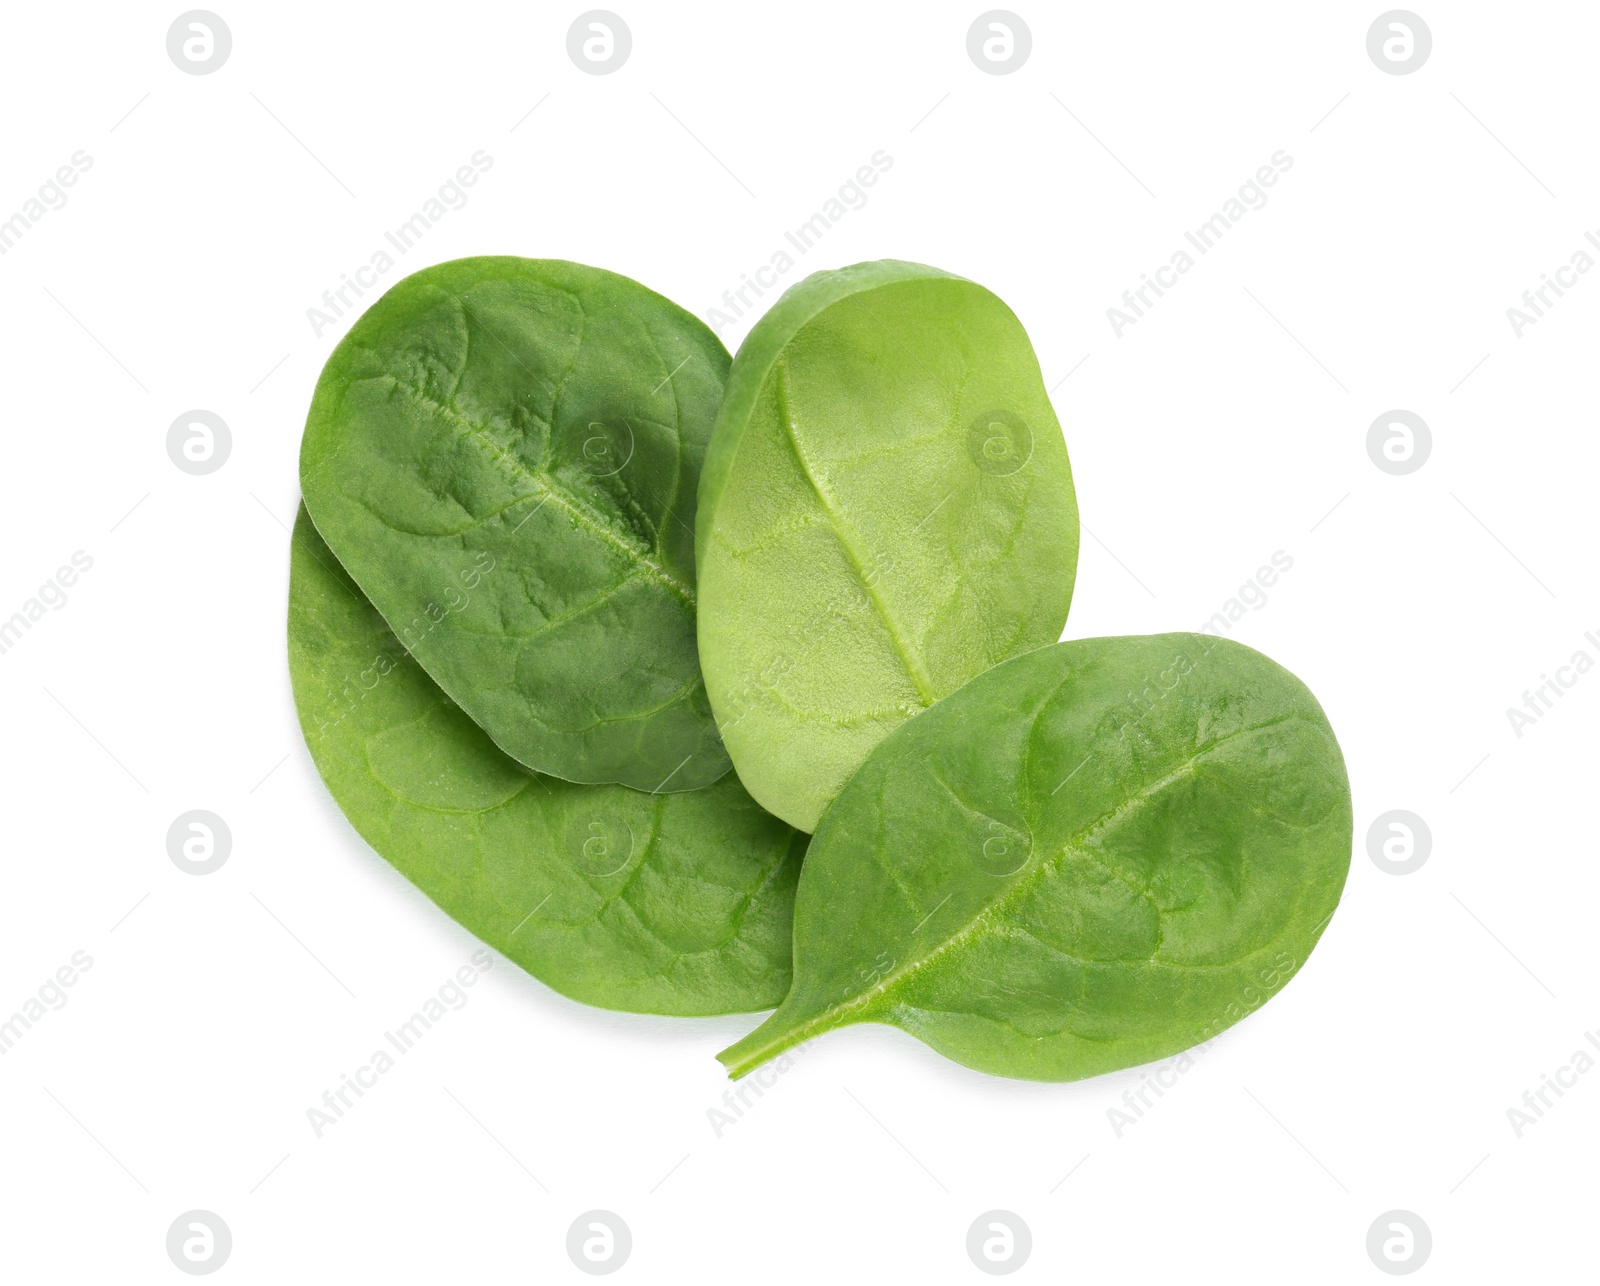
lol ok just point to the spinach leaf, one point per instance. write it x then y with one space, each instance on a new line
504 453
886 511
1092 856
667 904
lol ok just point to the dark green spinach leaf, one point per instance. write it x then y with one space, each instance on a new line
505 453
666 903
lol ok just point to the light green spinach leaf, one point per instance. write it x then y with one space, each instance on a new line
1092 856
666 903
886 511
505 453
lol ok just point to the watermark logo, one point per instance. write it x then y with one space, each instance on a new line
1001 850
600 844
999 1242
199 842
1399 42
1399 1242
599 42
599 1242
1399 842
601 448
199 1242
199 442
999 42
1399 442
1000 442
198 42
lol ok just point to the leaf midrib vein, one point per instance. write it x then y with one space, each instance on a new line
908 658
545 487
1014 893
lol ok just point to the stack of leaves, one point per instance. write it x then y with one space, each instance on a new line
559 568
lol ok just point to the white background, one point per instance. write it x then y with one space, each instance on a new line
1229 423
